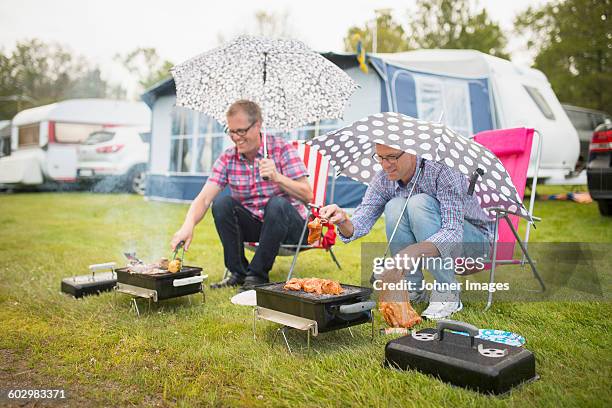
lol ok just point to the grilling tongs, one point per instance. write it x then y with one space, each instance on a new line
176 249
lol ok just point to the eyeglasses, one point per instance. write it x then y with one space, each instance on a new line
239 132
391 159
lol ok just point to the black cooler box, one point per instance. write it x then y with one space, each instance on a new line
466 361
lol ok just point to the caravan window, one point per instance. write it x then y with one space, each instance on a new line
540 101
5 146
74 132
29 135
444 100
181 140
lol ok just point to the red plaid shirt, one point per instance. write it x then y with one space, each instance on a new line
245 183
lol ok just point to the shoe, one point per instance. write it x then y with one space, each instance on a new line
251 281
418 297
441 310
231 281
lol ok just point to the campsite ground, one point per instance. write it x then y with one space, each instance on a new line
183 353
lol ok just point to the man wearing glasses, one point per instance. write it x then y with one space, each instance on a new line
265 203
438 220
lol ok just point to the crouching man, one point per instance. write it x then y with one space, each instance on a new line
266 198
440 220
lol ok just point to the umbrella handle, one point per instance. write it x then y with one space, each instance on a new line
265 148
478 172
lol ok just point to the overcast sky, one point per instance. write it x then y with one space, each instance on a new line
180 29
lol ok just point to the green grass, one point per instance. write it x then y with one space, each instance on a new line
193 354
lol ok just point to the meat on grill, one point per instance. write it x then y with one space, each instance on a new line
161 266
314 285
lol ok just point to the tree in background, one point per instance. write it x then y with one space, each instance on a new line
451 24
267 24
573 44
146 65
37 73
390 36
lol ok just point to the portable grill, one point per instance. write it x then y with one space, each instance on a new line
160 286
311 312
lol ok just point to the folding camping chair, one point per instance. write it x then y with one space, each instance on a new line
513 148
318 170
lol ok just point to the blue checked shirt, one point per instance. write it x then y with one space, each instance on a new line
438 181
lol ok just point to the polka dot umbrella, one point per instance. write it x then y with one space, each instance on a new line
350 151
292 84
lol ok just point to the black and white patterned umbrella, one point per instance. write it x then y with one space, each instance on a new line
350 150
292 84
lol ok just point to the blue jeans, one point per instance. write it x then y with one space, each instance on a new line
420 221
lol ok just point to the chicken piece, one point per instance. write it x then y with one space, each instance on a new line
313 285
174 266
294 284
399 314
315 228
331 287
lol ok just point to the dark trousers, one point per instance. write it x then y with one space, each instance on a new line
282 224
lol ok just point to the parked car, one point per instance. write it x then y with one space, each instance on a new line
599 168
585 121
118 156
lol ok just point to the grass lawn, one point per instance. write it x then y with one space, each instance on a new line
193 354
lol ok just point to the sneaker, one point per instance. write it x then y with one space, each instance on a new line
418 297
231 281
251 281
441 310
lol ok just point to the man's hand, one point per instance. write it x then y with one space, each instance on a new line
184 234
333 214
267 169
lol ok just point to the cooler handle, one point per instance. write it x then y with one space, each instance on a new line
456 325
108 265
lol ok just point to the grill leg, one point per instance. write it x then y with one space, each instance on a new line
282 331
135 306
203 295
254 320
372 324
351 333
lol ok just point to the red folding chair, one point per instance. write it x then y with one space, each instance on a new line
513 148
318 170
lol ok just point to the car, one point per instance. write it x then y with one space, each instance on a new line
585 121
599 168
115 159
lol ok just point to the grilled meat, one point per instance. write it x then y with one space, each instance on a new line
315 229
174 266
314 285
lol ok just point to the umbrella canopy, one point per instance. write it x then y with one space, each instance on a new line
350 150
292 84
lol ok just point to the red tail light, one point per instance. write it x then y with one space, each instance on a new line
109 149
601 141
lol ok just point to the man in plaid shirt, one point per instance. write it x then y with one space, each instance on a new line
265 203
440 220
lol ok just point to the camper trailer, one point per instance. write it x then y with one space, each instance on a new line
472 91
44 140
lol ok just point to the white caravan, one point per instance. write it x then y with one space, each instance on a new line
44 140
475 91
